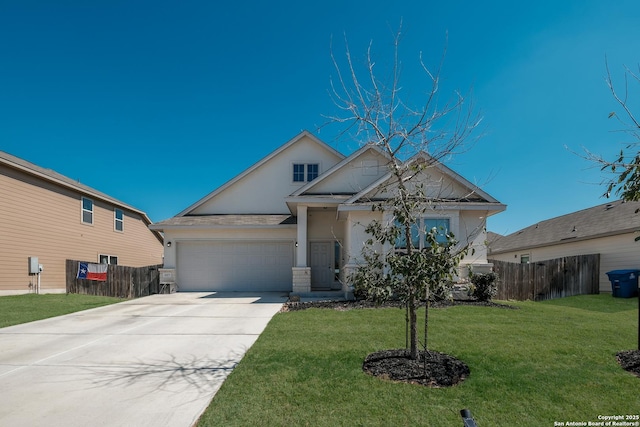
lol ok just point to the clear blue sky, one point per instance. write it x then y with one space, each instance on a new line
157 103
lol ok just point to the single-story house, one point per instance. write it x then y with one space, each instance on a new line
295 221
52 218
609 229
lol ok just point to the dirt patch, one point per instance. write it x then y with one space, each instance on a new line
630 361
442 370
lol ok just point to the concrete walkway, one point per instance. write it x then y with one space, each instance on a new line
154 361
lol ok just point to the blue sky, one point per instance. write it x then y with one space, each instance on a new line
158 103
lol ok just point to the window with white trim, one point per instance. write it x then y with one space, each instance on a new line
118 220
108 259
305 172
420 229
87 211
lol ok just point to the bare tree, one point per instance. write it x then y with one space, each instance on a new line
376 110
625 168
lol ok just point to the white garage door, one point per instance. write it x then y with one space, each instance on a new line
234 266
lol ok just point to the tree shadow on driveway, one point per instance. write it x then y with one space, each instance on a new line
170 374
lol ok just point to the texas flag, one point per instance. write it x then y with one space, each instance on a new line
92 271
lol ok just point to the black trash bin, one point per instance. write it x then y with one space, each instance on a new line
624 283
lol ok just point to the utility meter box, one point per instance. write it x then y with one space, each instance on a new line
167 276
34 267
167 280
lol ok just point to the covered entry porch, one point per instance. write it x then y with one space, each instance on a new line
320 251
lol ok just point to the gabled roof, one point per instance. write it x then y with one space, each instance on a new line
481 196
345 161
608 219
445 170
54 177
257 165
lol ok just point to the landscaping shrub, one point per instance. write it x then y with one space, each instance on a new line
484 286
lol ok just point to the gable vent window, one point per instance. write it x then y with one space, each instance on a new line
305 172
87 211
118 220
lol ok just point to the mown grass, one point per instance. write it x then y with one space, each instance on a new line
16 309
546 362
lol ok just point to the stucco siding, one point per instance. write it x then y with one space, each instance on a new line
323 225
357 236
436 185
42 219
472 231
355 176
616 252
263 190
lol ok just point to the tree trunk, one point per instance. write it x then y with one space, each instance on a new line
413 320
426 318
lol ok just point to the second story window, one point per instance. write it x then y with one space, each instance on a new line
118 220
305 172
108 259
312 172
87 211
298 172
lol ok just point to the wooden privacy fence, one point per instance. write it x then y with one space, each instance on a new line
122 281
542 280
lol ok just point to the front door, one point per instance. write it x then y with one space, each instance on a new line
321 263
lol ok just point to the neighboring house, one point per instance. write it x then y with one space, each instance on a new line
50 217
295 221
492 237
609 229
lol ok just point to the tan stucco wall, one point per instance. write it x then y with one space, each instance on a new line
323 225
43 220
616 253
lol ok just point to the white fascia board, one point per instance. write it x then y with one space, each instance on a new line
444 206
314 202
494 208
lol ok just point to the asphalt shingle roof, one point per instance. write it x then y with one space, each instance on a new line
226 221
616 217
51 175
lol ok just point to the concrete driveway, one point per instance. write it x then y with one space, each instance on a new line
154 361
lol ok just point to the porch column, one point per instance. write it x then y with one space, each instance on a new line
301 273
301 250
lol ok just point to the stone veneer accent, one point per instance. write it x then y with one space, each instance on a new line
301 279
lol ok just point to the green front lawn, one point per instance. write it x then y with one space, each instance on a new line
16 309
546 362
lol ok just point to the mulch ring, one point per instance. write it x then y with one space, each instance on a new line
442 370
630 361
359 304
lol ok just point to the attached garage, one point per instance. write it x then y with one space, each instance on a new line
254 266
